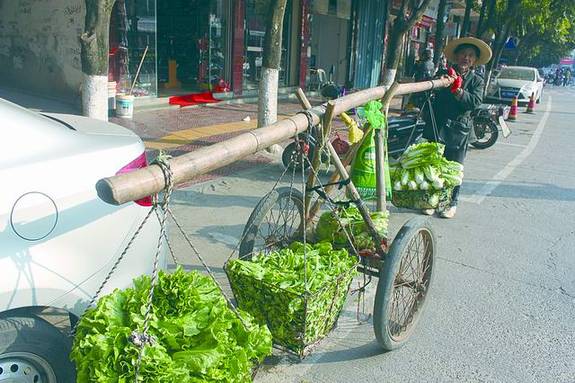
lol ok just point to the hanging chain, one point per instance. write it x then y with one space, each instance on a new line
142 339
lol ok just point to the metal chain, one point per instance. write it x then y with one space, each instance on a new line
143 338
274 187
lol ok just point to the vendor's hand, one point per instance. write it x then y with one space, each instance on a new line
457 83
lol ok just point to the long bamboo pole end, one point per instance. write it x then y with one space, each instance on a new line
105 191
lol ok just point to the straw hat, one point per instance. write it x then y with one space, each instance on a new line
484 50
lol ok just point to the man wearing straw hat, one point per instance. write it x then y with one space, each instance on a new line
453 106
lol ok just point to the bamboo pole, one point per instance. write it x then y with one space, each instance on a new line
352 100
380 140
380 245
316 161
132 186
350 155
117 190
341 172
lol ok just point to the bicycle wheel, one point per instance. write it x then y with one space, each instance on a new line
404 282
275 222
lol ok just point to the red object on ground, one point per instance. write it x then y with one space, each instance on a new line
193 99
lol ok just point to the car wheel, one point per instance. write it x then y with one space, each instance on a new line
32 350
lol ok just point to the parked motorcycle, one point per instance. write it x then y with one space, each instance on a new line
488 120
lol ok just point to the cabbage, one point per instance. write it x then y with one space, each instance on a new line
418 176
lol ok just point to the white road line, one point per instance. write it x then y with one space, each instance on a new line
510 144
490 186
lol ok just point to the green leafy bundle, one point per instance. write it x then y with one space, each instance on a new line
423 167
298 297
198 337
335 227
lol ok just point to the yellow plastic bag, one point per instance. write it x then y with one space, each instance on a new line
355 134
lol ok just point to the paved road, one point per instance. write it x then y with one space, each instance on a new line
502 308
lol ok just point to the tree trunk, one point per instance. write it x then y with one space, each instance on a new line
481 18
392 55
440 32
486 24
400 27
500 39
466 18
268 87
94 55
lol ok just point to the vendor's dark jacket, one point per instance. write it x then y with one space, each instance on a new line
446 106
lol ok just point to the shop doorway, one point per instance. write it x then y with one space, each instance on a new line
132 47
193 46
329 45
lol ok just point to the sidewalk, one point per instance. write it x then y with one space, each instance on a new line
182 130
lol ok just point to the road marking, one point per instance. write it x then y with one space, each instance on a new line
510 144
490 186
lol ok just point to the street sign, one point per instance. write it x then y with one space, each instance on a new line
512 43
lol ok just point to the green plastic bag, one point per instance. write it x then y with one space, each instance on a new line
363 167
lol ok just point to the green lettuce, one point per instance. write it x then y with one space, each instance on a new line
298 294
198 337
335 227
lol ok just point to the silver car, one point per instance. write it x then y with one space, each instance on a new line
58 239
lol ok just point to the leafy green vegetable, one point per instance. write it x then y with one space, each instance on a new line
198 337
423 167
297 293
336 227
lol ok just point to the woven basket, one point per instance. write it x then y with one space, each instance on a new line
319 310
420 199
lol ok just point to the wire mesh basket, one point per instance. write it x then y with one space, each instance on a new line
422 199
296 321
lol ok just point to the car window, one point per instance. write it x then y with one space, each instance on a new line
517 74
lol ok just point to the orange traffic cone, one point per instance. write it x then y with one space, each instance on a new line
531 104
513 111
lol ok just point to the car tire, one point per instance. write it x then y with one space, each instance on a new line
33 350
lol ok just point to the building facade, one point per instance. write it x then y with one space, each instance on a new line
187 46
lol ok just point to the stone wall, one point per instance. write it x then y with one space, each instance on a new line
40 46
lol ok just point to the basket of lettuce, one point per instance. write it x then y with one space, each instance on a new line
423 178
298 294
198 338
343 225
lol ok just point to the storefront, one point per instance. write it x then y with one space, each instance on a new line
330 38
195 46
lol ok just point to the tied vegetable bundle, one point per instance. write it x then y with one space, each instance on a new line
198 337
422 167
299 299
335 227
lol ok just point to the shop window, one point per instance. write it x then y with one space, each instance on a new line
133 40
193 45
256 16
